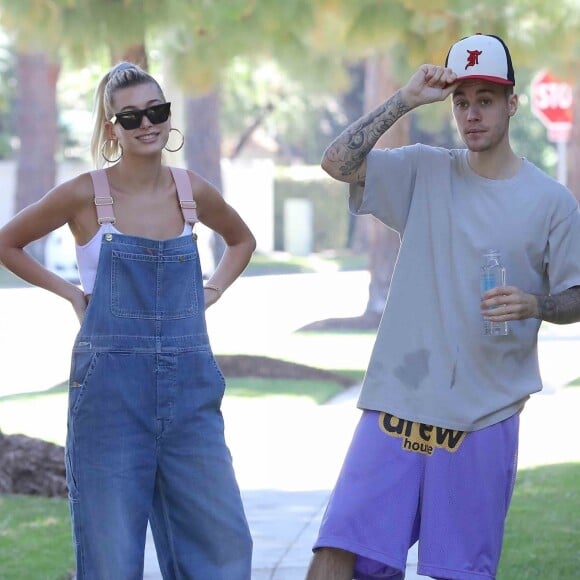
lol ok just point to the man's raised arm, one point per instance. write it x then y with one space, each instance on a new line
345 157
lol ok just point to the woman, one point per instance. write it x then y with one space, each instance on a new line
145 435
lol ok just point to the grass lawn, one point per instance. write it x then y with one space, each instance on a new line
542 537
35 538
316 391
283 263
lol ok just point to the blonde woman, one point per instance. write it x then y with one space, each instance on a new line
145 436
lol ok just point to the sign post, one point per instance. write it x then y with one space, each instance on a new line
552 105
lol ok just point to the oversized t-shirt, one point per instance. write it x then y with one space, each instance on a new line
431 362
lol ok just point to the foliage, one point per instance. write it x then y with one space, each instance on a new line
35 535
298 114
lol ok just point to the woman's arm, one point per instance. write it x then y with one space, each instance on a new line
37 220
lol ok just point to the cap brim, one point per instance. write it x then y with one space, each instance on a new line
491 79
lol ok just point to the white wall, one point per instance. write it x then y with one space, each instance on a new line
249 188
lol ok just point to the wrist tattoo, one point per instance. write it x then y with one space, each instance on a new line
357 141
562 308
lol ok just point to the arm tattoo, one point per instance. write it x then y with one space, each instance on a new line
562 308
350 148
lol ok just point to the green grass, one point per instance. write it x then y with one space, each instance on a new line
283 263
542 539
35 538
574 383
317 391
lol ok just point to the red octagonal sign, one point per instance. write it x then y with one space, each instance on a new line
552 104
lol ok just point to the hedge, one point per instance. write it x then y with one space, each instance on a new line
329 204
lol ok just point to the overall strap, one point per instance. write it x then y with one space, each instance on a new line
103 199
185 195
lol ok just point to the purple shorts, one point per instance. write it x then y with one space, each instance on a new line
403 481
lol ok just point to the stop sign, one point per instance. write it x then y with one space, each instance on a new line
552 104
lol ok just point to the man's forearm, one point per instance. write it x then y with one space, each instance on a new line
562 308
345 155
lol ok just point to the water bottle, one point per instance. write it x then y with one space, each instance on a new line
493 274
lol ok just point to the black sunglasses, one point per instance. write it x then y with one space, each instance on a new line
132 119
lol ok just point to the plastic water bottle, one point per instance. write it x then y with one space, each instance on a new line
493 274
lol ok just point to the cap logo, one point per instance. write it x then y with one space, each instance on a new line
481 56
473 58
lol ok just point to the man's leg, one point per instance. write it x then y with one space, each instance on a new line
331 564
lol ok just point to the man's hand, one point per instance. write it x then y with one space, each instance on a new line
429 84
508 303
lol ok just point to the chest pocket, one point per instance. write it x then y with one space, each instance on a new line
154 286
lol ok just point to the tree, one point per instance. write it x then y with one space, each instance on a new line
32 26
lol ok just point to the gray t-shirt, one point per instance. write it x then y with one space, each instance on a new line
431 362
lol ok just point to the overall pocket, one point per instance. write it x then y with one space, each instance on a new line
82 367
154 287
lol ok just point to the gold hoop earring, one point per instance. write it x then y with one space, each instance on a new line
103 152
180 145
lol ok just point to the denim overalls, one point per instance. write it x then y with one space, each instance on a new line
145 432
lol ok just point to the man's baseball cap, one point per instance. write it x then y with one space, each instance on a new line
481 56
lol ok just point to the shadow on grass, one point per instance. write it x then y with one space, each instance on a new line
542 537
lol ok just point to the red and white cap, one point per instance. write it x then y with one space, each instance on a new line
481 56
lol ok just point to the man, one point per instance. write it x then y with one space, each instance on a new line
434 455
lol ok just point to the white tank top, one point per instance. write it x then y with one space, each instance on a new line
88 254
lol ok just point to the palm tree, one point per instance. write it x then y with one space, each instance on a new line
37 72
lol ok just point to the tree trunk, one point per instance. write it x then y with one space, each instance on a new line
574 147
383 242
203 146
37 130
